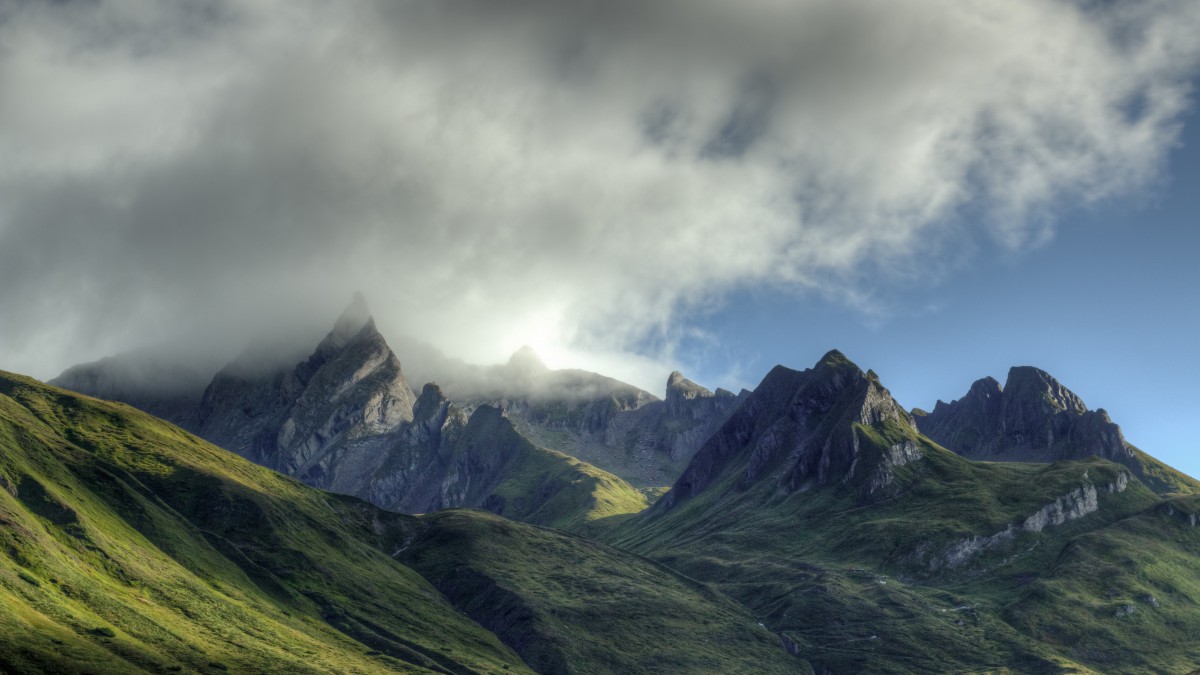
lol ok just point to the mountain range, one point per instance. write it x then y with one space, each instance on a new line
810 525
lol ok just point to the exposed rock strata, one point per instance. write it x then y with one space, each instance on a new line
1076 504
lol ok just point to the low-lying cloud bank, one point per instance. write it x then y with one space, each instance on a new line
579 176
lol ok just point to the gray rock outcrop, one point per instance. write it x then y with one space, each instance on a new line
1033 418
803 430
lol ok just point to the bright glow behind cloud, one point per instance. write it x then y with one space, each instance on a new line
576 175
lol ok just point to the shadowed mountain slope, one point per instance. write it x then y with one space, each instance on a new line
869 548
566 604
131 546
443 459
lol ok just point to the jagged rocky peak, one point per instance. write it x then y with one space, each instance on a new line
1031 385
435 420
835 377
1033 418
354 318
985 388
291 417
430 400
526 362
679 388
799 430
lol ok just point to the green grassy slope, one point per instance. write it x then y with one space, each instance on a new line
942 570
859 588
1124 598
130 545
567 604
1162 478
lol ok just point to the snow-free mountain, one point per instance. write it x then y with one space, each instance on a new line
810 525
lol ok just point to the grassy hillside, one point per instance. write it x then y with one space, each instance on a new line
856 587
1125 598
567 604
1162 478
942 565
130 545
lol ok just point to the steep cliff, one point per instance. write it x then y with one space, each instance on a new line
292 418
1034 418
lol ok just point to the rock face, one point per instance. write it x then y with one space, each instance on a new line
1033 418
344 418
293 418
803 430
1075 504
627 431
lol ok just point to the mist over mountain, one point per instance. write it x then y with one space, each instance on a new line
574 431
815 503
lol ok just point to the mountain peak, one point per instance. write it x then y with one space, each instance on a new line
352 321
1029 384
1033 418
819 412
836 360
526 361
986 386
679 388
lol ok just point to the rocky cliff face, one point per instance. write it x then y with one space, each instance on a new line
803 430
344 418
292 418
1033 418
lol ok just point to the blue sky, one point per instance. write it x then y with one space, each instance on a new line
1110 307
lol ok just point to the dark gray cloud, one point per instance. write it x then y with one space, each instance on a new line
574 175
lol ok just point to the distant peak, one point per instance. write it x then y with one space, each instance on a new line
526 361
353 320
1027 382
836 361
681 388
987 386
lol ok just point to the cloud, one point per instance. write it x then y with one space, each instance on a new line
581 176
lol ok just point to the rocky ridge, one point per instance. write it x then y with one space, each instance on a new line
294 418
1034 418
344 418
804 429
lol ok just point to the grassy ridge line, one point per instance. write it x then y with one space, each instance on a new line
130 545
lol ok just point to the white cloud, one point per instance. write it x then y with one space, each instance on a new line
576 175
